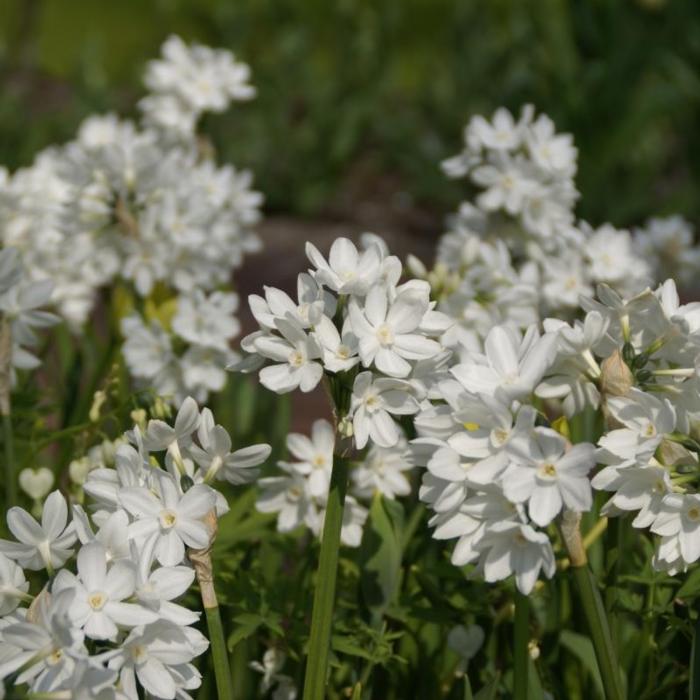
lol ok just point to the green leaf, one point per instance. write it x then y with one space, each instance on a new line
488 692
357 692
468 695
582 648
246 625
351 647
380 554
691 585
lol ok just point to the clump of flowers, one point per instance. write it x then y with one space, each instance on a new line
145 207
108 619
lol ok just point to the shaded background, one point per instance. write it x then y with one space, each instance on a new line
359 100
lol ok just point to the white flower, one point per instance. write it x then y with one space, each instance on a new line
514 548
174 520
158 588
347 271
387 332
159 656
383 470
339 351
296 352
45 651
216 459
46 545
13 585
36 483
547 475
98 606
289 497
679 517
373 403
207 320
314 455
312 303
512 366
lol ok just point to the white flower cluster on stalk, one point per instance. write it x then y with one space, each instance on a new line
147 207
650 451
21 302
189 357
107 623
299 497
516 252
375 340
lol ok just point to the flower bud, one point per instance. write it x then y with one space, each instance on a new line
616 379
36 483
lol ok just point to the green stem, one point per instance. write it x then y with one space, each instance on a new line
324 595
10 472
594 611
520 646
219 654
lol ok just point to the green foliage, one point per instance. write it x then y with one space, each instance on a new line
363 96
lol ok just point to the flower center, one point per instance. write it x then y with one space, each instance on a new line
319 461
54 657
372 402
385 336
97 600
167 518
650 430
343 352
296 358
548 469
693 513
139 653
499 436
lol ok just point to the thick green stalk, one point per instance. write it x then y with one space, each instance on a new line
594 611
324 595
204 570
521 641
219 654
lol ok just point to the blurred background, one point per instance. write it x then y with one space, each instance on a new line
359 100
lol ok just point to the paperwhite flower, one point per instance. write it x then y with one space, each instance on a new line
384 470
207 320
159 656
13 585
289 497
315 456
514 548
387 332
45 651
373 403
346 271
679 517
339 351
216 459
174 520
312 304
46 545
511 367
98 606
296 352
36 483
548 475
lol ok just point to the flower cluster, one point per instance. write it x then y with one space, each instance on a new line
132 205
21 301
183 350
299 496
191 80
108 621
352 321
